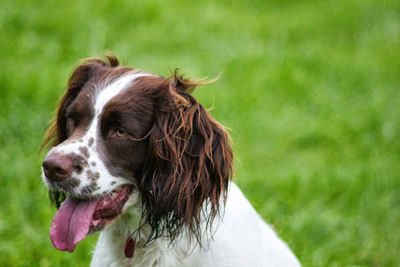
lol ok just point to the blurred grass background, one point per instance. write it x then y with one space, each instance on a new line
310 90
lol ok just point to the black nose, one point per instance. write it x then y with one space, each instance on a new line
57 167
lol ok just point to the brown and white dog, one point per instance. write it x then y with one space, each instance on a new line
136 156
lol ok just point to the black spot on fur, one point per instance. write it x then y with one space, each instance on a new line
93 176
78 163
84 151
68 184
88 189
91 141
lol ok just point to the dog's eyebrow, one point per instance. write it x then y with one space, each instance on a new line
115 88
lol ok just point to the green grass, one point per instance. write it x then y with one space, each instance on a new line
310 90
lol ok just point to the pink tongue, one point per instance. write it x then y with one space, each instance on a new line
71 223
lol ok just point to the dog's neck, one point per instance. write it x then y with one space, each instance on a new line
158 252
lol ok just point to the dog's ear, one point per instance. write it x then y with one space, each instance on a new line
189 163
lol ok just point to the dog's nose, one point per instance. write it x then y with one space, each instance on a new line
57 167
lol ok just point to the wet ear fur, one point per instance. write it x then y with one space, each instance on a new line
189 163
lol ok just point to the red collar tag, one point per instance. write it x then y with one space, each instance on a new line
129 247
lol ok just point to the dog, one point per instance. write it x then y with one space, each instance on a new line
135 156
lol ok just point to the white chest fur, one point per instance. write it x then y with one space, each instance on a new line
241 238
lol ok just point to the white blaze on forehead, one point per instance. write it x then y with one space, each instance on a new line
114 89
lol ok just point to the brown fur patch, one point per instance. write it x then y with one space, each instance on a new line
85 152
78 163
93 176
68 184
91 141
90 188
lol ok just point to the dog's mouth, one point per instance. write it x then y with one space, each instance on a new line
76 217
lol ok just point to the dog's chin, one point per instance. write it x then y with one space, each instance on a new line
78 217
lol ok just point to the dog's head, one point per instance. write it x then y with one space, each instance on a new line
122 134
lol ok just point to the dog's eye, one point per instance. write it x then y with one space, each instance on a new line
119 132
